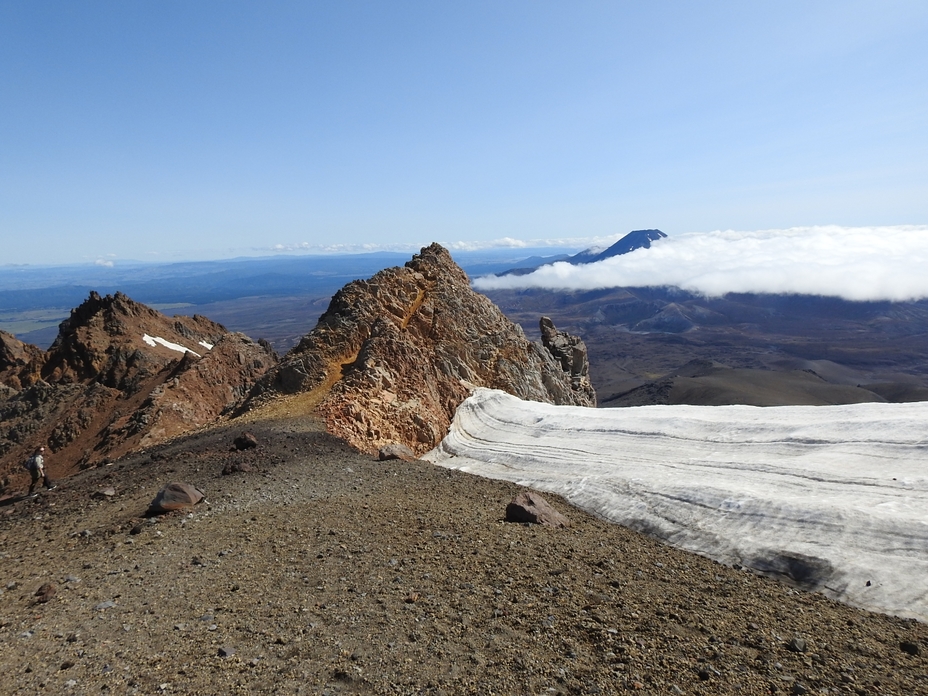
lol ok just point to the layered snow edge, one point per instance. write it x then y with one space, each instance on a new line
834 497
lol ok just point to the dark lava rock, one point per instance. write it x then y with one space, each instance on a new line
528 506
245 441
45 593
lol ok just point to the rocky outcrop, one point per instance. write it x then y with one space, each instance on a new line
393 357
18 361
570 353
119 376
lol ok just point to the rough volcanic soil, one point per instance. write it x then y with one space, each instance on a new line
328 572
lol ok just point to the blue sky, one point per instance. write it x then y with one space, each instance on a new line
171 130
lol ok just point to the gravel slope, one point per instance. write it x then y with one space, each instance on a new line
328 572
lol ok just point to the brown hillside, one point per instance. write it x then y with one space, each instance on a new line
119 376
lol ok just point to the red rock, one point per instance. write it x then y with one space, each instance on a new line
175 496
45 593
529 506
396 451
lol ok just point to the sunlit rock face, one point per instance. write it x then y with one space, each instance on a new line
394 356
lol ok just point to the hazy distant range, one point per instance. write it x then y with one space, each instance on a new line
278 298
646 345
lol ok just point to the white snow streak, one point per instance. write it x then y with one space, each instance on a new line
155 340
838 491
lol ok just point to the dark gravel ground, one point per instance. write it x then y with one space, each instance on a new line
327 572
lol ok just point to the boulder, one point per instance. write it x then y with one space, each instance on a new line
175 496
529 506
245 441
396 451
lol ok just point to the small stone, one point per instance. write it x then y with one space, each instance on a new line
226 651
796 644
103 493
45 593
108 604
67 664
910 647
799 689
238 468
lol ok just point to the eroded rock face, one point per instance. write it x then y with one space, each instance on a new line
18 361
394 356
119 376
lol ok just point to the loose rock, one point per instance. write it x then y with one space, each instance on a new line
175 496
245 441
45 593
529 506
396 451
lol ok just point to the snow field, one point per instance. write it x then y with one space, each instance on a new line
835 497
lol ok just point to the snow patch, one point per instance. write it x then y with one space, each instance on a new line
208 346
835 497
156 340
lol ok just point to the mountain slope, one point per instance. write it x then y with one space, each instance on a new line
120 376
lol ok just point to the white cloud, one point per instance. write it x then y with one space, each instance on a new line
104 262
855 263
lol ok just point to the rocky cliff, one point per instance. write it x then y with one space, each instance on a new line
393 357
120 376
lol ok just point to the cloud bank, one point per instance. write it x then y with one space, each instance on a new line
854 263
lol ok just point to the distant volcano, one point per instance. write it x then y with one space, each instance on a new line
639 239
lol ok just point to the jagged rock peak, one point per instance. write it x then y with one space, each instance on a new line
14 353
393 356
104 339
570 352
120 376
